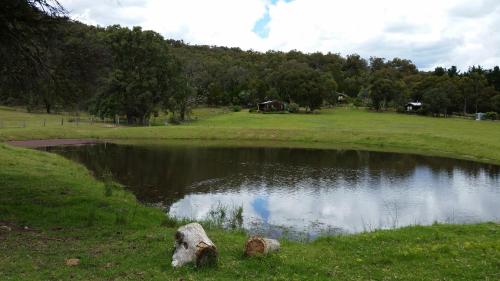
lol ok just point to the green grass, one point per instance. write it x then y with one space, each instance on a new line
338 128
68 215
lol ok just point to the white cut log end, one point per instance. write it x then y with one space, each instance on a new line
257 245
193 245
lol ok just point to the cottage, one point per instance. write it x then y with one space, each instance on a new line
342 98
413 106
272 105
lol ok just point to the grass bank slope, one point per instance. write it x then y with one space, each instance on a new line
332 128
52 209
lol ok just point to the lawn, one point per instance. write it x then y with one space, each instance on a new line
55 210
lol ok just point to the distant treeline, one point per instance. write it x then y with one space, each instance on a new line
52 62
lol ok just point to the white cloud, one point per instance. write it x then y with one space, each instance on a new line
429 32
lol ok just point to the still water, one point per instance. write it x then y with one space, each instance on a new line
308 191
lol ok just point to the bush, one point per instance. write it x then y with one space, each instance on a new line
174 119
401 109
491 115
236 108
357 102
252 110
422 111
293 107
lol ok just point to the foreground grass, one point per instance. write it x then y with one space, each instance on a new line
56 210
338 128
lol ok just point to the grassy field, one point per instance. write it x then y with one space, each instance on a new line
332 128
55 210
52 209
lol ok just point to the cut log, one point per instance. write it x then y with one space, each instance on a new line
260 245
193 245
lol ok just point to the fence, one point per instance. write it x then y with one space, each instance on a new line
7 123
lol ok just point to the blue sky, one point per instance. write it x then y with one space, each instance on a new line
429 32
261 26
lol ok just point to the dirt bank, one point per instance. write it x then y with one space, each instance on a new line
52 142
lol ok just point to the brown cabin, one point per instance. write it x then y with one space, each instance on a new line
271 105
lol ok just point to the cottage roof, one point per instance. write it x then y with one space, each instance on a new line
415 103
266 102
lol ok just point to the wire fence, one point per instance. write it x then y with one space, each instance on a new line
74 122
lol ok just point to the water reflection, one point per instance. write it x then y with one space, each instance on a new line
302 189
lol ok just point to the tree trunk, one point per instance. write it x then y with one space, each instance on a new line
465 106
259 245
193 245
48 108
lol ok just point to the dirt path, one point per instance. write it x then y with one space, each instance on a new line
52 142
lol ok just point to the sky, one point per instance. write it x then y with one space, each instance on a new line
429 32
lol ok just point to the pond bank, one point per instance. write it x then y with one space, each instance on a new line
52 142
115 237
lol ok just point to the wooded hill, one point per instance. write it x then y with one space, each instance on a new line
54 63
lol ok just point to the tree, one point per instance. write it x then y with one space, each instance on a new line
495 103
452 71
383 88
439 71
436 99
141 76
436 102
24 27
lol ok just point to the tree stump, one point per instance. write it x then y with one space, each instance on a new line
260 245
193 245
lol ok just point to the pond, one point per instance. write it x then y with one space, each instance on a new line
301 192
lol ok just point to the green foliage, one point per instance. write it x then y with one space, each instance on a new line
491 115
236 217
222 216
236 108
142 70
91 217
109 185
169 221
121 216
293 107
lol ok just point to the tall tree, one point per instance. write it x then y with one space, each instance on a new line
142 71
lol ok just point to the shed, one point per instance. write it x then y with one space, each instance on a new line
341 97
272 105
413 106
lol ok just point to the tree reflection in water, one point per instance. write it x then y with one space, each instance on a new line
302 189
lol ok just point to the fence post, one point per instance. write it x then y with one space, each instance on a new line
62 121
44 120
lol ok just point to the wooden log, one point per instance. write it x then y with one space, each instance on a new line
193 245
259 245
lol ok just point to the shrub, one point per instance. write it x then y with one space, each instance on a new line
174 119
357 102
293 107
252 110
109 185
422 111
236 217
491 115
236 108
